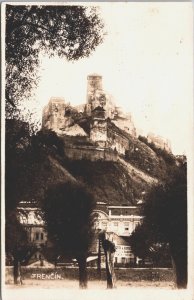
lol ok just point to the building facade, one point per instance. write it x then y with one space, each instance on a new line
30 217
122 220
117 221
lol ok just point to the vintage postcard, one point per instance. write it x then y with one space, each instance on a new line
97 150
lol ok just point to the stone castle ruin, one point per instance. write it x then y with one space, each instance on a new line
108 126
97 129
159 141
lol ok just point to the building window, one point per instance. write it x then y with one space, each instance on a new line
42 236
123 260
126 224
37 235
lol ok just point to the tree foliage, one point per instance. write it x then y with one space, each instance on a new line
145 244
140 241
17 244
68 215
28 173
166 208
166 221
67 211
17 142
16 237
71 32
32 162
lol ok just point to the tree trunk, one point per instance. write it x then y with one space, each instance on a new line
99 259
143 262
83 276
111 278
17 271
180 271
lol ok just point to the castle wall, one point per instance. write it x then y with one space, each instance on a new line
98 131
96 96
116 140
126 125
54 115
58 117
90 153
159 141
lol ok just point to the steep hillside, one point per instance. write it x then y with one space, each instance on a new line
110 182
146 156
140 154
127 180
146 159
41 175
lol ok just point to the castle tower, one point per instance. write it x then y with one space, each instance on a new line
98 127
94 92
94 85
54 115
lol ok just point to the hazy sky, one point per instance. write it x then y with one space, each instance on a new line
146 64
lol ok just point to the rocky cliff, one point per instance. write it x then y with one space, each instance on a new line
126 180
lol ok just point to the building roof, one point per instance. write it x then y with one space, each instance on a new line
94 75
57 99
118 210
125 210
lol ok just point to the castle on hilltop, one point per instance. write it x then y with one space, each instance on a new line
108 126
96 125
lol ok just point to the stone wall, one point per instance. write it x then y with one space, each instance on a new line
126 125
159 141
54 115
98 131
90 153
116 139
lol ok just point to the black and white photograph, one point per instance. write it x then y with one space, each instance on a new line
96 148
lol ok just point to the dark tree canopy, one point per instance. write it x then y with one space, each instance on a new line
140 241
16 237
30 162
71 32
166 219
68 215
166 208
17 143
145 244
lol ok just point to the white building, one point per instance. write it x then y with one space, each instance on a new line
118 221
30 218
121 220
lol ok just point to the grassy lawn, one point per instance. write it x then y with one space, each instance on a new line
93 284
